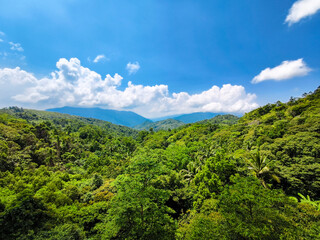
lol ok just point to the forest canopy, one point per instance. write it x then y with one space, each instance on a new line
64 177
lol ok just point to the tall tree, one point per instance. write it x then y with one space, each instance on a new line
259 166
139 211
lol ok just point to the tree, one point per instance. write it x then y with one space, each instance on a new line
97 181
254 212
138 211
24 214
259 166
308 200
215 173
62 232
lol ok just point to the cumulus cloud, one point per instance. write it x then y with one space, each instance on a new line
16 47
74 85
301 9
16 76
132 68
14 81
286 70
99 58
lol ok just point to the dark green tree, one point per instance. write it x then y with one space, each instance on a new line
139 211
254 212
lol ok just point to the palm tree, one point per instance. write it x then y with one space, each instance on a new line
189 173
259 166
308 200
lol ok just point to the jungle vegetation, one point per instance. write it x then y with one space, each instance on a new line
258 177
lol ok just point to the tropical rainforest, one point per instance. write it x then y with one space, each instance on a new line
257 177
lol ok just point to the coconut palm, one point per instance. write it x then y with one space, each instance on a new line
189 173
259 166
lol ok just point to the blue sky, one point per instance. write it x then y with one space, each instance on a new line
161 57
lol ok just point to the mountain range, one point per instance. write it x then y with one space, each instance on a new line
63 119
134 120
125 118
160 125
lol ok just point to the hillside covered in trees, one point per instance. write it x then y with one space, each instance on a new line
258 177
125 118
167 124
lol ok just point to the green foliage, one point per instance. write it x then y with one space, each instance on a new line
24 214
70 122
96 181
207 226
259 165
65 177
307 200
62 232
215 173
253 212
227 119
160 125
138 210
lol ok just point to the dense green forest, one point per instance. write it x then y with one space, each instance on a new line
66 121
170 123
258 177
167 124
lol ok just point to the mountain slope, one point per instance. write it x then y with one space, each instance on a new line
160 125
286 135
195 117
189 117
63 120
227 119
268 162
125 118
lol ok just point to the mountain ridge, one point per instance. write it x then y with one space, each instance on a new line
131 119
160 125
64 119
125 118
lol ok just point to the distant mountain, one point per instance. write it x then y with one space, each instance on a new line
188 118
64 120
195 117
125 118
227 119
164 118
160 125
170 123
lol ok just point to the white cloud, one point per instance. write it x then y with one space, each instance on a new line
15 76
2 33
286 70
301 9
74 85
16 47
132 68
1 40
14 81
30 96
99 58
